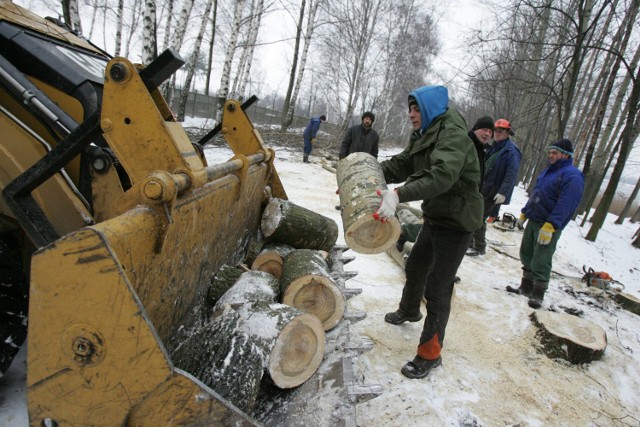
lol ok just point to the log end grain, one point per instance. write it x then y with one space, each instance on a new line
298 351
319 296
370 236
269 262
569 337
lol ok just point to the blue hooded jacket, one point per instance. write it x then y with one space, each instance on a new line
311 131
556 195
438 97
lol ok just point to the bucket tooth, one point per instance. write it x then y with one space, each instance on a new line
355 316
351 292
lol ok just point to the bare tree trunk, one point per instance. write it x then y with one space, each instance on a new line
149 47
71 13
292 74
231 50
119 20
629 134
211 43
630 200
250 48
168 25
191 70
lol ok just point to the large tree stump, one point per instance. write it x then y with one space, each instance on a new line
286 222
359 175
627 301
306 284
291 340
251 287
569 337
271 258
224 358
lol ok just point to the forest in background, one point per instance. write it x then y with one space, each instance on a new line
567 68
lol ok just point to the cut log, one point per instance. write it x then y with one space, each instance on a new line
569 337
306 284
271 258
221 281
286 222
408 214
359 175
627 301
400 257
251 287
291 340
224 358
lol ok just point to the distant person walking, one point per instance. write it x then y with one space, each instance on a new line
310 135
550 207
361 138
500 175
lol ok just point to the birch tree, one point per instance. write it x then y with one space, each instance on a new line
71 13
149 46
231 50
246 59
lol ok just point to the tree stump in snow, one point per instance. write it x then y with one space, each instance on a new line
224 358
251 287
307 285
627 301
569 337
271 258
286 222
221 281
291 340
359 175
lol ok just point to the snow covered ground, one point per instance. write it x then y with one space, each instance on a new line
492 374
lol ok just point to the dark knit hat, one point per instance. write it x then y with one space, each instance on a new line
564 146
485 122
370 115
323 118
413 101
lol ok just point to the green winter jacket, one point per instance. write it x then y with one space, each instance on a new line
441 168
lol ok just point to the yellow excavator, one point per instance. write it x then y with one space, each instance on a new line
111 225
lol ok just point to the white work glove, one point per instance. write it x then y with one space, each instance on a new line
499 199
388 206
520 221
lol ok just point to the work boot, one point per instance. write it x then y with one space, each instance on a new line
398 318
305 158
419 367
475 252
526 286
537 295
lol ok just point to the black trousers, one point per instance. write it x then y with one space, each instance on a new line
431 269
479 240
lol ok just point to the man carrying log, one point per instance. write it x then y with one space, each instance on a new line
440 167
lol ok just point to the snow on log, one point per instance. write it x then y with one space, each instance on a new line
224 358
271 258
569 337
251 287
286 222
307 285
291 340
359 175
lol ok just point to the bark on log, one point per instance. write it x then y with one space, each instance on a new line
271 258
291 340
224 358
400 257
286 222
408 214
627 301
569 337
306 284
251 287
359 175
221 281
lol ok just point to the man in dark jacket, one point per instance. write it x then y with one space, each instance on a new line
361 138
553 202
441 168
310 134
481 133
500 175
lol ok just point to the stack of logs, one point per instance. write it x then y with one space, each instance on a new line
270 319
